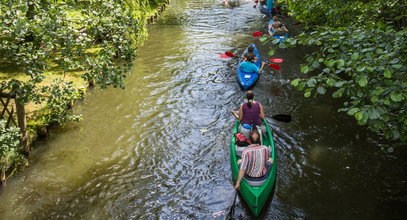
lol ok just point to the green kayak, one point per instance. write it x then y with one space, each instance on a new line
255 197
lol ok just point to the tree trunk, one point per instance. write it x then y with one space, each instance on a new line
22 123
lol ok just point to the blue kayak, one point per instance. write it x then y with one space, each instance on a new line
247 80
265 11
281 37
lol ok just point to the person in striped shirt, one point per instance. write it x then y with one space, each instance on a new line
256 162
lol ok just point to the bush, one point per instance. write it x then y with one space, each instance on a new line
11 154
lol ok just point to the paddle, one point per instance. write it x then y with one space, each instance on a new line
257 34
274 66
223 56
232 208
276 60
282 118
227 55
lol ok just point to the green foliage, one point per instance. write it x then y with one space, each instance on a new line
340 13
10 150
36 35
62 94
360 56
368 66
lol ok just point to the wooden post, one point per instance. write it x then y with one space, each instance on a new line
22 123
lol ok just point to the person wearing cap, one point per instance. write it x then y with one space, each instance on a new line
251 114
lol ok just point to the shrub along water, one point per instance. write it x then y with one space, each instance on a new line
361 56
11 155
46 43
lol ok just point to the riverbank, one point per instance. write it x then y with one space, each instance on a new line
37 114
139 153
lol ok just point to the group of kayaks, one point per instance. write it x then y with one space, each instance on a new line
256 193
247 80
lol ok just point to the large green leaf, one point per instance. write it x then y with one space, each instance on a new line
295 82
355 56
387 73
311 83
338 93
263 38
362 82
359 116
373 113
341 63
305 69
321 90
352 111
397 97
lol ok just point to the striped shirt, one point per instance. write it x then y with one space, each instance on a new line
254 159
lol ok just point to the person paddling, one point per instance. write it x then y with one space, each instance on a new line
249 67
250 114
276 28
256 163
250 50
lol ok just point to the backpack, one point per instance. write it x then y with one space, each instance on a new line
241 141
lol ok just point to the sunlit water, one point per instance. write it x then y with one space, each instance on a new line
160 148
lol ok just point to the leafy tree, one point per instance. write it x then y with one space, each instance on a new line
97 37
368 67
359 56
343 13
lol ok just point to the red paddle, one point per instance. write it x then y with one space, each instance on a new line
229 54
276 60
257 34
275 66
254 6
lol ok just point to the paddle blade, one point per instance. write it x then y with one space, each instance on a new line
257 1
275 66
257 34
281 117
229 54
254 6
276 60
223 56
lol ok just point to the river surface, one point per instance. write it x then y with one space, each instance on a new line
160 148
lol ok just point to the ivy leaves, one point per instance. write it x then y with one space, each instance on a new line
367 66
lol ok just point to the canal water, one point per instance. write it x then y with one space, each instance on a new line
160 148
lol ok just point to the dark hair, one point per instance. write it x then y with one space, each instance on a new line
254 139
250 57
250 49
275 18
250 98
